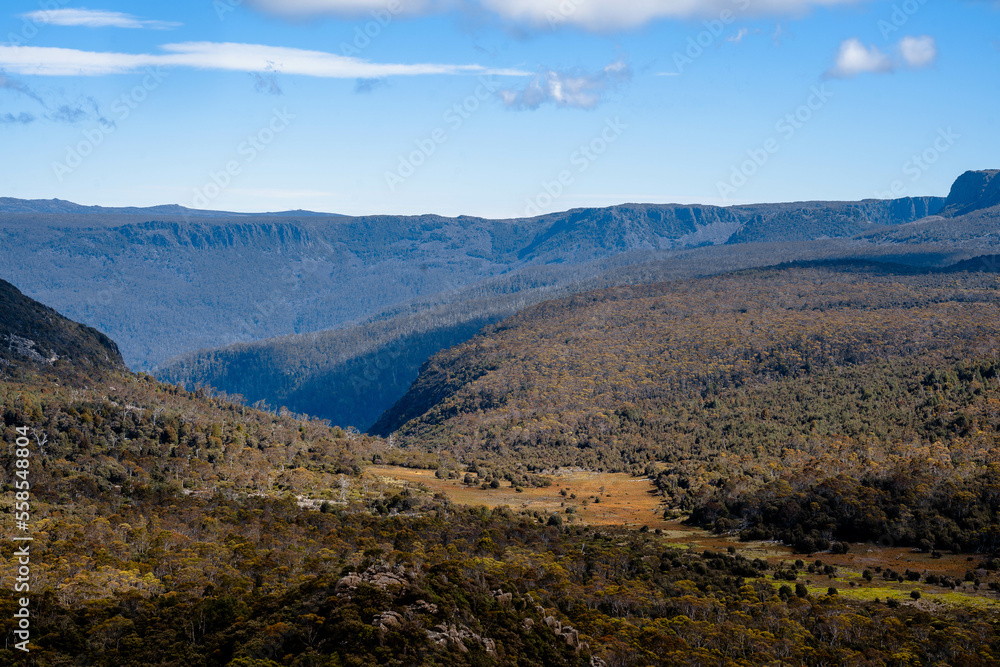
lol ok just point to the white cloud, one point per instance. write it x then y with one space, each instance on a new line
52 61
855 58
93 18
918 51
581 91
599 15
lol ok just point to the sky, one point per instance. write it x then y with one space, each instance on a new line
496 108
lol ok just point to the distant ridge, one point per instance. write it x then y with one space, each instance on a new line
61 206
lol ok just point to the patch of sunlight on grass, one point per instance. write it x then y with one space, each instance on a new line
902 595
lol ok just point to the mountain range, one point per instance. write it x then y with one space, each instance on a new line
333 315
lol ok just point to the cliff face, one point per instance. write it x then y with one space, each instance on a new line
973 191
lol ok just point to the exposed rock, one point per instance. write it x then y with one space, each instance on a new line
503 598
386 579
350 581
571 635
379 576
425 607
553 623
386 620
445 634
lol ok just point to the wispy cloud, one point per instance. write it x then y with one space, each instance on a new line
228 56
94 18
738 37
368 85
22 118
7 83
854 58
567 89
66 113
779 34
267 83
58 112
597 15
83 109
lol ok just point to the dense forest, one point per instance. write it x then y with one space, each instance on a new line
841 401
146 554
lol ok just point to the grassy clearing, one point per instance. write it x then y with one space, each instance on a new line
629 501
602 499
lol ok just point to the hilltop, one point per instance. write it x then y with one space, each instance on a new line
973 191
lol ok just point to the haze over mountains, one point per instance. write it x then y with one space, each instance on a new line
359 304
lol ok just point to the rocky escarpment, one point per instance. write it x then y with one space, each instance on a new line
973 191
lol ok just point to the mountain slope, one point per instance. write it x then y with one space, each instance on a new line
352 375
38 337
660 341
806 371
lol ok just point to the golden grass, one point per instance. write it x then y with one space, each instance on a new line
628 501
624 500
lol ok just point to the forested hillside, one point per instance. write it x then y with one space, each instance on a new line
177 528
352 375
750 396
37 337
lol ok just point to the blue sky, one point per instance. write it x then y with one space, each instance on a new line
499 108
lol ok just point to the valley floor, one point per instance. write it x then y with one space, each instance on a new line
632 502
